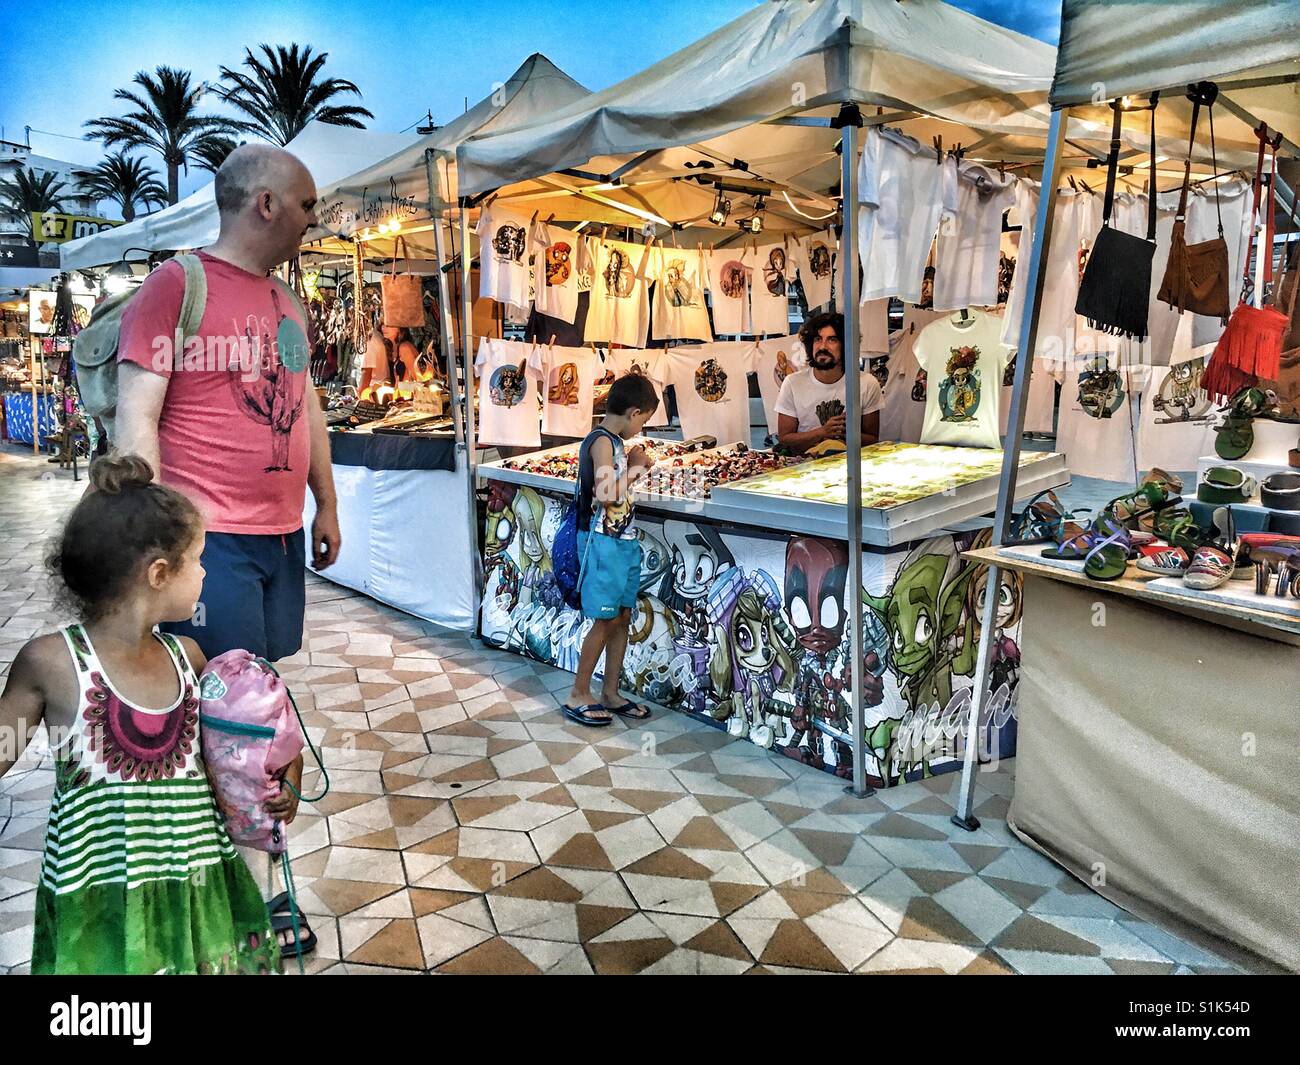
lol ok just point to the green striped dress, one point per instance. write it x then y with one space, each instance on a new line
139 875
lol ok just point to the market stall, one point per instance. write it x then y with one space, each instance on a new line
1157 755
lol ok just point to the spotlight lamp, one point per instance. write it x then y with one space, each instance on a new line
721 208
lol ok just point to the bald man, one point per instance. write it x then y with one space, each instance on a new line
233 421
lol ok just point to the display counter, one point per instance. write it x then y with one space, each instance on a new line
742 614
1158 730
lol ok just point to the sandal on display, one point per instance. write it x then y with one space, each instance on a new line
1042 519
1164 561
1236 436
1103 548
1143 504
1213 565
1178 528
1171 481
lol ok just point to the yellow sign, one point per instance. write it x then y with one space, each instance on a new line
51 228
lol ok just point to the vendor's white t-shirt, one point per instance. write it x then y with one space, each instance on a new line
775 359
903 194
966 256
680 311
651 364
769 304
620 304
568 392
503 255
509 377
555 254
963 368
813 402
729 280
712 386
814 257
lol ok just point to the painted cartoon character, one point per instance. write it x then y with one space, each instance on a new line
655 557
499 534
710 381
508 243
651 652
1181 397
681 292
774 272
732 279
784 367
557 263
819 259
535 560
508 385
619 277
564 385
752 668
919 386
698 556
1101 393
959 394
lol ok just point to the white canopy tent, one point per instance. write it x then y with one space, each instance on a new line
772 104
329 152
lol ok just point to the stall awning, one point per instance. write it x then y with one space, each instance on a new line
329 152
787 58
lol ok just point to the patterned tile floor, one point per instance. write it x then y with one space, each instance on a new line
468 829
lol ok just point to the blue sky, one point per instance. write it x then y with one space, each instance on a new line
61 60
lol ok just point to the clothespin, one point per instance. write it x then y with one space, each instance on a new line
1070 179
534 218
551 218
1002 169
490 200
938 149
603 231
1084 185
551 343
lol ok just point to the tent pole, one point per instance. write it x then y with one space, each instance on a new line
467 350
850 120
1036 275
448 316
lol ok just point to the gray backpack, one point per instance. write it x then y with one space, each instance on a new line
94 349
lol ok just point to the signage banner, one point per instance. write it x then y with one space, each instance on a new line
49 227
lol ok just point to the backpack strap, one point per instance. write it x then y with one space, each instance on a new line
195 299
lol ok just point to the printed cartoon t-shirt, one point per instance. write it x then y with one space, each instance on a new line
234 431
963 365
509 381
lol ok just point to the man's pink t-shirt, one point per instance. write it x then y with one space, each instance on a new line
233 433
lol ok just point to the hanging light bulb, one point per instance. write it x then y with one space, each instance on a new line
721 208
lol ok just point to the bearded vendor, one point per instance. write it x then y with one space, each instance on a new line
811 405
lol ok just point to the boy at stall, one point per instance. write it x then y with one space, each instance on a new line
609 548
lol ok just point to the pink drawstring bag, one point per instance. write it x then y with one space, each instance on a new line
250 730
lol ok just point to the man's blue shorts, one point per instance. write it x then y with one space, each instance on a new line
611 576
254 595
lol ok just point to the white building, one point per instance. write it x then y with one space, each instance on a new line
15 157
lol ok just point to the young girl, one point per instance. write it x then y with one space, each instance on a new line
139 875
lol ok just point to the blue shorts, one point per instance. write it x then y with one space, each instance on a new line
611 577
254 595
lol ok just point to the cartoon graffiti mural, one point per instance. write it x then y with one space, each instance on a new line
750 632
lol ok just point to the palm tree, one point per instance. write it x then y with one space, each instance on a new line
282 93
127 181
212 153
166 120
26 193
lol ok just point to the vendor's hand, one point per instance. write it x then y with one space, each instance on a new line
325 538
284 807
637 457
834 428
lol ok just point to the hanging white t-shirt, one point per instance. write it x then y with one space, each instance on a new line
963 367
902 414
651 364
1097 418
1164 439
503 255
903 192
873 327
814 257
567 397
680 311
620 303
1041 410
775 359
729 278
711 382
769 303
966 257
812 402
509 379
1056 317
555 258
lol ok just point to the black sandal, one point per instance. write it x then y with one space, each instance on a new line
304 941
580 714
630 710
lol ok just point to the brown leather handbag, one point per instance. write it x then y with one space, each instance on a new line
402 293
1196 277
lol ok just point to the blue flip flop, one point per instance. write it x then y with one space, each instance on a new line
579 714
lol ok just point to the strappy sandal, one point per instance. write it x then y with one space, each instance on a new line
1178 528
1107 560
1042 519
1142 505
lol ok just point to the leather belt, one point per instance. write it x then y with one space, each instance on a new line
1225 484
1281 491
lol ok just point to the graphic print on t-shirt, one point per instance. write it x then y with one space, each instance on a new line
959 392
682 292
563 385
783 368
619 276
819 260
774 271
1101 392
268 398
710 381
508 243
732 278
828 409
558 266
508 385
918 387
